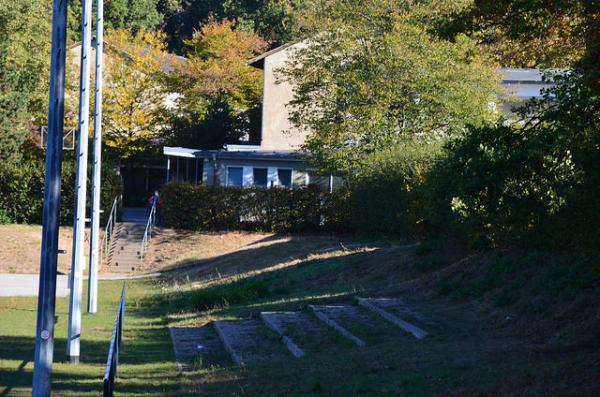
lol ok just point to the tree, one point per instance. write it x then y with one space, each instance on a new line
120 14
542 33
535 177
135 97
219 95
24 63
373 73
184 17
273 20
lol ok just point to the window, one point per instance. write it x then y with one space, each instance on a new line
319 181
285 178
235 176
260 176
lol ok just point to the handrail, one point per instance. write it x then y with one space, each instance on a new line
110 229
148 232
113 352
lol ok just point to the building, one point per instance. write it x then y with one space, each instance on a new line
278 161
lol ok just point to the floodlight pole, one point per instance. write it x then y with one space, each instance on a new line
76 276
44 337
96 182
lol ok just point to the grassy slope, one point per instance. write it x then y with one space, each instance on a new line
505 324
499 329
147 360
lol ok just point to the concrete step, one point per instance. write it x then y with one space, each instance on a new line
248 341
189 342
336 316
299 332
393 309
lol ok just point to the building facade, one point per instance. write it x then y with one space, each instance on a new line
278 160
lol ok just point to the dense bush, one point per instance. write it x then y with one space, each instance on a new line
199 207
22 190
387 191
537 180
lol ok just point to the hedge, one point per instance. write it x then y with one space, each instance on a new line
215 208
22 191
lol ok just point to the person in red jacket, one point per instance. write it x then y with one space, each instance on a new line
156 202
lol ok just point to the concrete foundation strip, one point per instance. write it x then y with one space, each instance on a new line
411 329
289 343
234 356
336 326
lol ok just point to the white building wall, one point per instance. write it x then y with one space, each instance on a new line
278 133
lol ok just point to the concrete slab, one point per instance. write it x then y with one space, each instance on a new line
299 331
135 215
188 342
391 309
331 315
28 285
247 342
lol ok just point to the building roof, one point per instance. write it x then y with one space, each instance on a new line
269 155
259 61
522 76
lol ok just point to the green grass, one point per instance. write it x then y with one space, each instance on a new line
230 294
147 363
472 348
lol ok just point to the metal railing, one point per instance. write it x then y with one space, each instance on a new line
115 347
110 229
147 233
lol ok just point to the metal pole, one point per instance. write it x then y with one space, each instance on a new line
44 337
168 168
74 336
96 183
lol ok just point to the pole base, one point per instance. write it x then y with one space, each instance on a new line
73 360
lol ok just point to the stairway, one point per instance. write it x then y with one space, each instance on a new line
322 329
124 251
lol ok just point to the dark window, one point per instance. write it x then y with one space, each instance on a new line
235 176
260 176
285 178
319 181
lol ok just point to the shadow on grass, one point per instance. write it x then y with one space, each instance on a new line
255 256
279 272
147 365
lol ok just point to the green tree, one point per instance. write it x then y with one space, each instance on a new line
274 20
537 177
120 14
372 73
544 33
24 65
219 95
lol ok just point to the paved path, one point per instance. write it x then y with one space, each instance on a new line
135 215
28 284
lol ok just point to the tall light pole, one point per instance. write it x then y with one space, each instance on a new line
96 181
44 336
76 276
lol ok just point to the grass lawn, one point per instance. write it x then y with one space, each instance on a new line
479 345
147 363
501 324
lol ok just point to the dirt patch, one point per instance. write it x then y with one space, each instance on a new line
20 247
171 249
